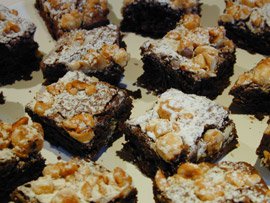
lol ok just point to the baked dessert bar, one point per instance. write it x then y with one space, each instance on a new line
191 58
97 52
63 16
80 113
204 182
78 181
18 51
20 158
247 23
252 89
179 128
155 18
263 151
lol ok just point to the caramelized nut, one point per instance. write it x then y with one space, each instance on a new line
14 12
189 171
261 73
55 89
205 193
42 186
2 17
5 131
168 146
166 108
161 180
159 127
214 140
70 21
121 178
253 179
40 107
76 85
21 121
191 21
86 190
235 178
54 3
10 26
173 35
65 196
183 3
60 169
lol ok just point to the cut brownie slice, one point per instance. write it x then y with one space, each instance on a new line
18 50
63 16
204 182
252 89
156 17
247 23
96 52
190 58
78 181
20 158
179 128
80 113
263 151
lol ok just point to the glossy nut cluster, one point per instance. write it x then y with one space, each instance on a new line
23 138
11 27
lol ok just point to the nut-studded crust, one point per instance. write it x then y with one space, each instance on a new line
87 177
69 15
251 90
247 24
152 23
236 182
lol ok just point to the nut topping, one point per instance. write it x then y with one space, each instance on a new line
10 26
70 21
2 17
214 140
189 171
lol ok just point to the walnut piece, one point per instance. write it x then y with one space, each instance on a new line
214 140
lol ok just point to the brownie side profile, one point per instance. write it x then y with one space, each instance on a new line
263 150
63 16
20 157
179 128
155 18
205 182
80 113
251 90
18 51
247 23
78 181
98 52
190 58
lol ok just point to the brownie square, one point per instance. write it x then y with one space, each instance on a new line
63 16
251 90
178 128
20 158
194 59
95 52
155 18
80 113
247 23
263 151
205 182
18 51
78 181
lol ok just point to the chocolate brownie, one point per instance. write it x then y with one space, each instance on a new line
155 18
95 52
247 23
63 16
205 182
178 128
251 90
263 151
194 59
78 181
18 51
80 113
20 158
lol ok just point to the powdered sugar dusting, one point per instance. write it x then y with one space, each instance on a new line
26 28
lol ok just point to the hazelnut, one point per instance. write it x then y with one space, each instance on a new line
10 26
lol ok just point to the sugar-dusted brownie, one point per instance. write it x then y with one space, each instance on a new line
263 151
155 18
252 89
205 182
78 181
80 113
178 128
18 51
96 52
247 23
194 59
20 158
63 16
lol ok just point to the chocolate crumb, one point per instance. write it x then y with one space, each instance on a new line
260 117
59 157
137 94
2 98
